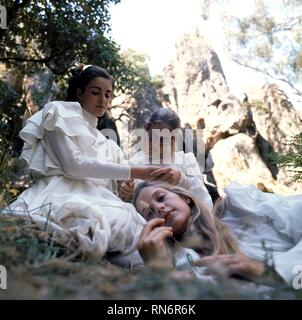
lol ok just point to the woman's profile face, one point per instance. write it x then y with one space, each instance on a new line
97 96
154 202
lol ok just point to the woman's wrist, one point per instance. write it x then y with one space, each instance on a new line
133 172
142 173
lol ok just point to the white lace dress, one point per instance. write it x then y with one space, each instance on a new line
77 166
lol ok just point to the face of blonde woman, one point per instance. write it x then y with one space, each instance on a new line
154 202
97 96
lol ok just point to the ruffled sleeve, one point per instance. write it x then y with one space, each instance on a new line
59 141
64 116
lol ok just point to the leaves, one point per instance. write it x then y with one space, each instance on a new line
292 160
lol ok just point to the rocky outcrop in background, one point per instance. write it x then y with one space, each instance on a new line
199 92
239 135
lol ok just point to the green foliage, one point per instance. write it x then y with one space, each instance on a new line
293 158
138 63
11 110
53 35
25 243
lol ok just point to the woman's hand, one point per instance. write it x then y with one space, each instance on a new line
152 242
126 189
143 173
232 264
167 174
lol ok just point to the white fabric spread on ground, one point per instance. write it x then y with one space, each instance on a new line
268 226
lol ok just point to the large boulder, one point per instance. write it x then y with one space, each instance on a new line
277 121
237 158
275 117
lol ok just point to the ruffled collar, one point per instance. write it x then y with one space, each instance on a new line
92 120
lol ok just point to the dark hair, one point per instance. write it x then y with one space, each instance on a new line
166 116
106 122
81 77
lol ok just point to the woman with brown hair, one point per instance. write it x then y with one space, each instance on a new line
77 168
177 167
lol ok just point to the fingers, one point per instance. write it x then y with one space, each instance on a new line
158 235
152 239
158 172
128 183
149 171
125 196
149 226
225 258
165 178
218 265
233 264
169 175
126 192
154 169
127 189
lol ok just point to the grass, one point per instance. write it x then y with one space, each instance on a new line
40 267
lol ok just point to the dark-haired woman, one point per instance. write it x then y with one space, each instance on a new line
77 167
178 168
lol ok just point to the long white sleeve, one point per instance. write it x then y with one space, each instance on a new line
76 165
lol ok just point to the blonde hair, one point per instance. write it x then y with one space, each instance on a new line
214 236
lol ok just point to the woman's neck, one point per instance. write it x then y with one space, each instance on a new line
91 119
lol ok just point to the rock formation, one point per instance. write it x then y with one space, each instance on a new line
199 93
240 136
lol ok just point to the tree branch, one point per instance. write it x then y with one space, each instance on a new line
123 114
288 24
296 90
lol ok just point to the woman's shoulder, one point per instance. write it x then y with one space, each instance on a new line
187 159
189 156
64 114
63 107
67 117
